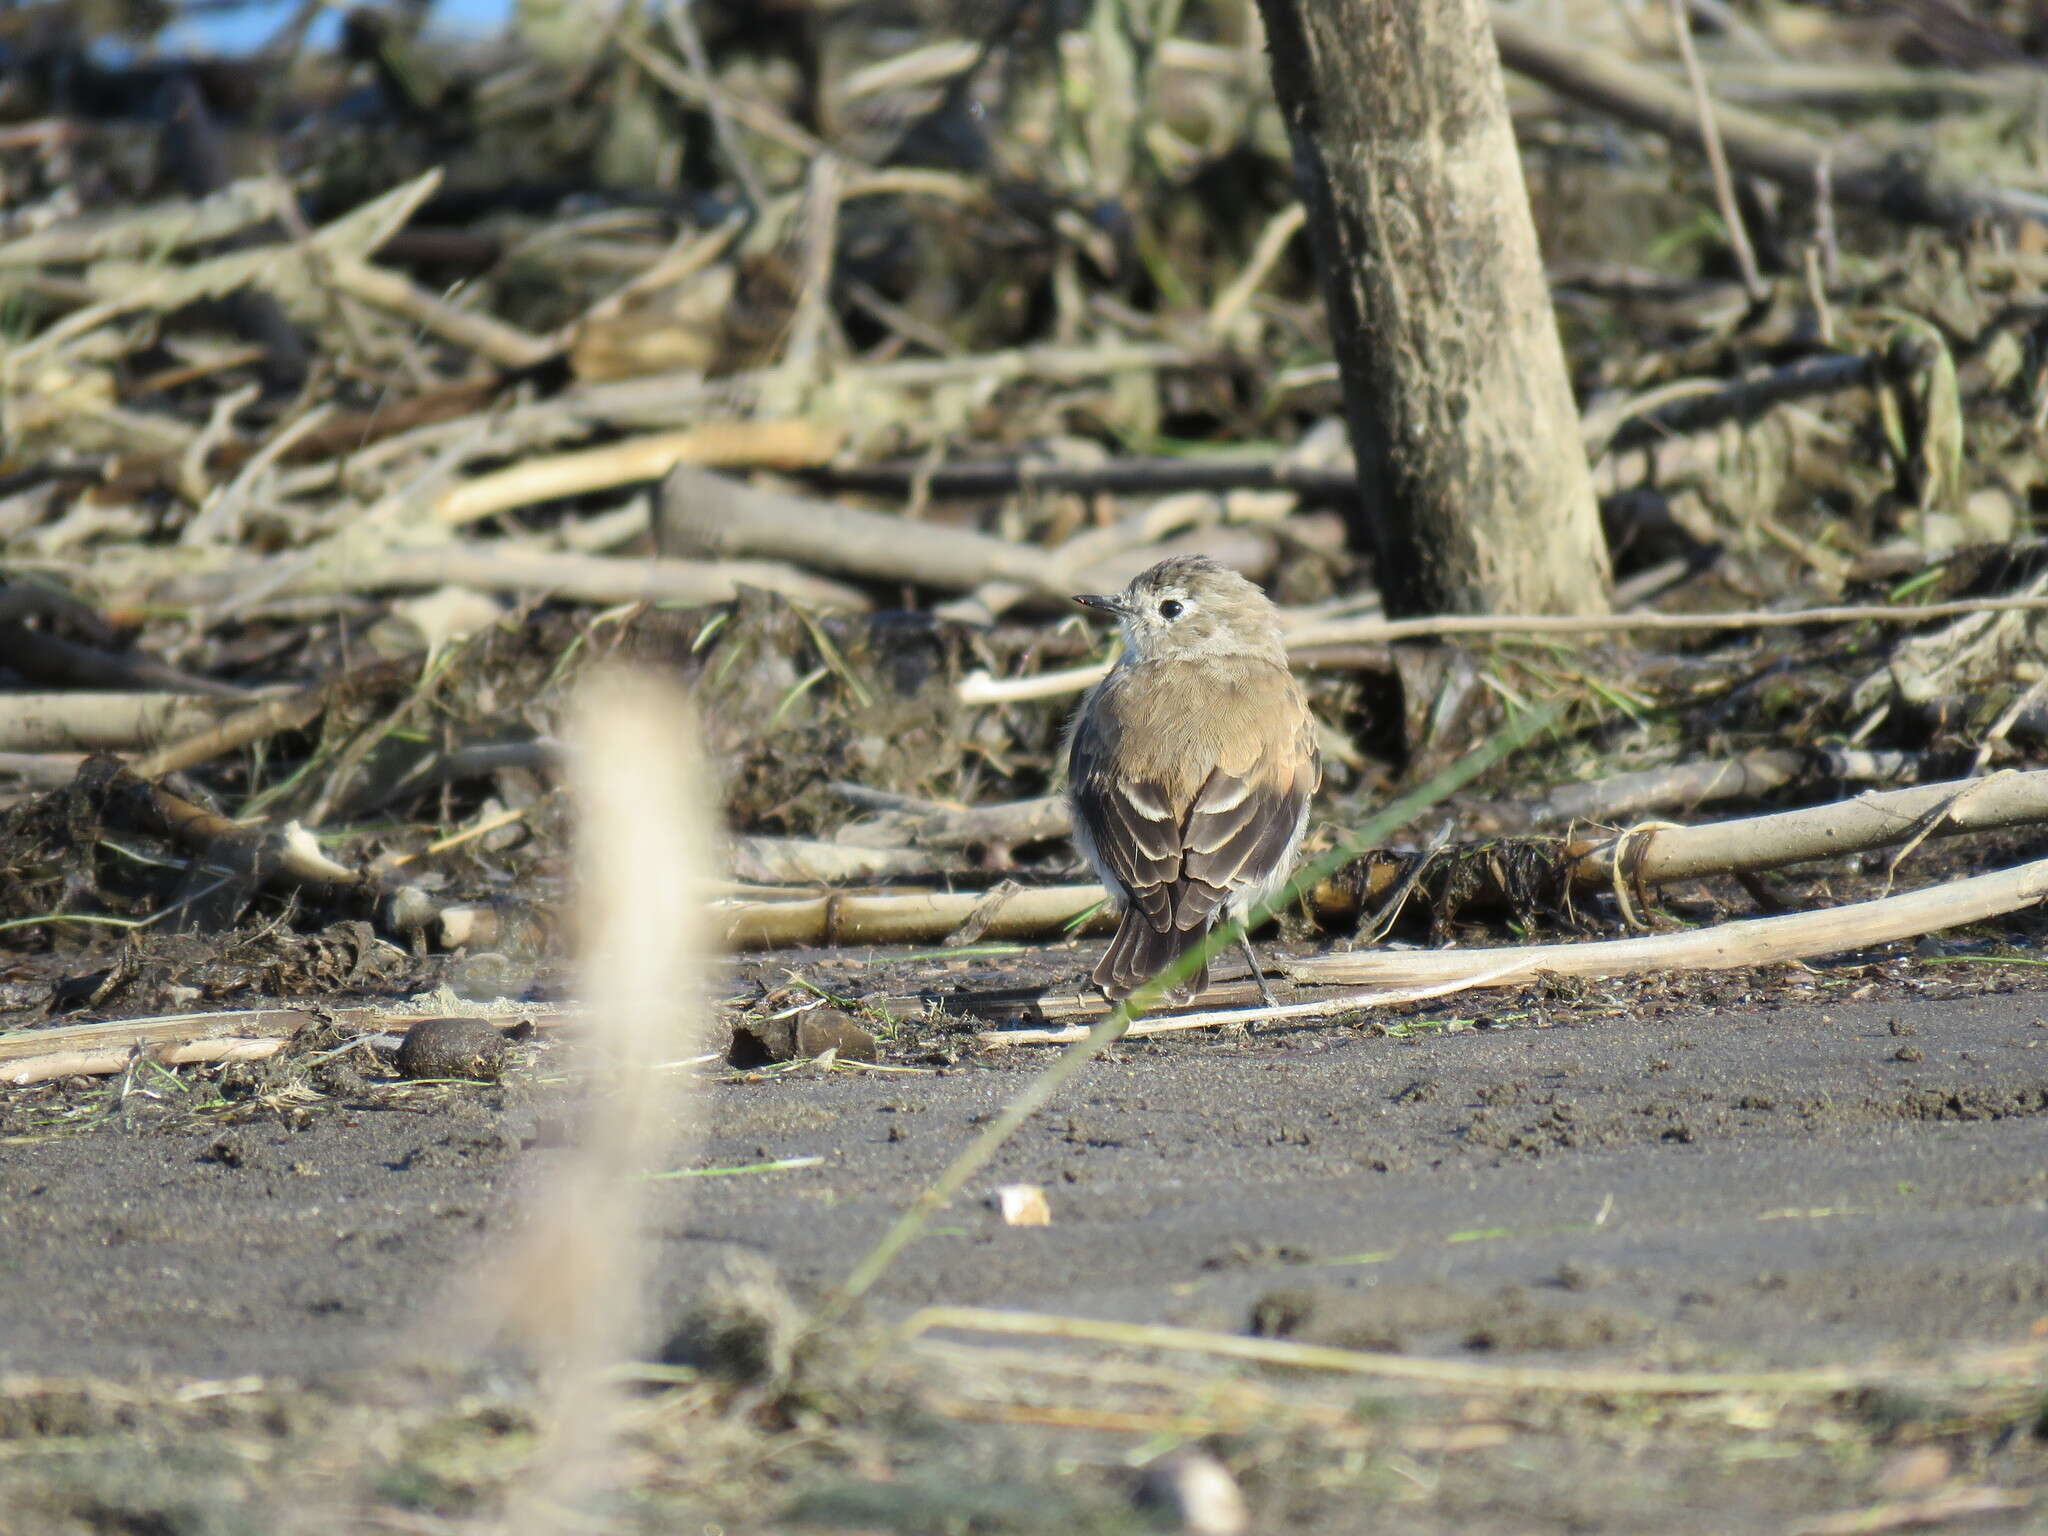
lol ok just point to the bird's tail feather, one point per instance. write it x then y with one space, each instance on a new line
1139 952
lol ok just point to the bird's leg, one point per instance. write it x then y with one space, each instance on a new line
1244 942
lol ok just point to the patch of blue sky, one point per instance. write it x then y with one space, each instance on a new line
215 30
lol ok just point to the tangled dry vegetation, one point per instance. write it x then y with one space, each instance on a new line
354 408
358 401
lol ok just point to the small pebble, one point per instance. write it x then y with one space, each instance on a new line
1023 1205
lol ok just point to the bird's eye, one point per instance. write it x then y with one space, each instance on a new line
1170 609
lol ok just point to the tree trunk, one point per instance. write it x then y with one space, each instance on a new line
1474 488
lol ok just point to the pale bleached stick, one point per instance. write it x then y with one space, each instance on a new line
101 1036
1726 946
576 578
901 821
1717 158
41 1069
801 861
1871 820
287 712
701 515
1702 782
712 444
238 1034
859 918
1301 634
1865 174
131 286
153 231
982 688
1225 1018
39 770
1266 253
1743 845
490 338
2019 1366
114 722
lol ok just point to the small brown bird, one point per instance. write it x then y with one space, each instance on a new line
1190 767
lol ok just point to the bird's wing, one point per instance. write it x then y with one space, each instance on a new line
1135 833
1179 856
1243 825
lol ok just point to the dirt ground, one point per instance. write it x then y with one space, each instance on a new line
1806 1169
604 325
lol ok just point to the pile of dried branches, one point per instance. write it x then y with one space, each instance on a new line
356 401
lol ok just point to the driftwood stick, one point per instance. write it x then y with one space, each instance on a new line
40 770
2020 1367
904 821
247 1034
1337 631
291 712
717 444
1231 1018
38 1069
1747 845
1869 821
152 231
1717 158
900 821
245 1023
1308 632
1872 178
503 568
476 761
1105 559
848 917
1246 548
705 515
490 338
74 1039
1727 946
102 722
1624 424
1862 88
1615 429
807 861
1748 777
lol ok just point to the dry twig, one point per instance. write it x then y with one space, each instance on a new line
1989 1368
1303 633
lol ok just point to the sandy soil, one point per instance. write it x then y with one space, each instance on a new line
1760 1183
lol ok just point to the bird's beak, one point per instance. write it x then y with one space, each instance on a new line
1110 605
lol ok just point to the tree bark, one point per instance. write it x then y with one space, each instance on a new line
1474 490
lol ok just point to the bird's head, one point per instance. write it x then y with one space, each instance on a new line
1189 607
